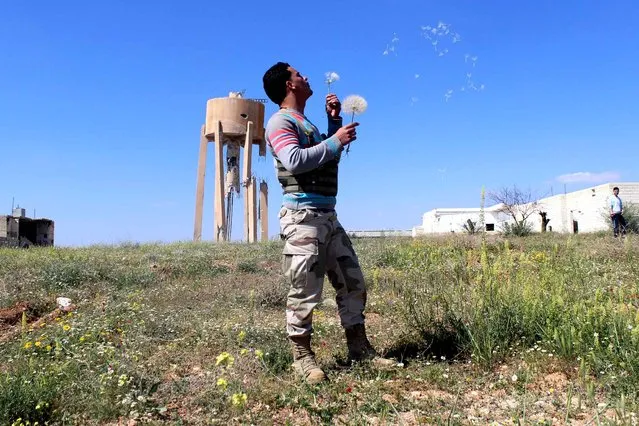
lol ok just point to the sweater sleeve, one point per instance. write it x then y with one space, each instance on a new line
333 125
282 135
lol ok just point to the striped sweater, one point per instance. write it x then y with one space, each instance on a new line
287 133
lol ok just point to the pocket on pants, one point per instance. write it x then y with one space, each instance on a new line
301 246
298 258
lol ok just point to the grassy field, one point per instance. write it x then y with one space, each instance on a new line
539 330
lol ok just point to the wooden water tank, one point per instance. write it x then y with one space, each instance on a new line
235 113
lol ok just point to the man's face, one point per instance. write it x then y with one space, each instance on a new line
615 191
298 84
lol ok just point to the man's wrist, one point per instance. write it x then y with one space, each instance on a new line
334 145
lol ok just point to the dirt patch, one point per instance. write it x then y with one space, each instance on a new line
11 318
553 382
12 315
290 416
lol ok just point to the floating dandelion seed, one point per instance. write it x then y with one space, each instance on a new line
331 77
391 48
416 75
448 94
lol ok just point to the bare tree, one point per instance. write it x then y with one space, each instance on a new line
517 203
544 221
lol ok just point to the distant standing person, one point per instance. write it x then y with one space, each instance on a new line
616 213
316 245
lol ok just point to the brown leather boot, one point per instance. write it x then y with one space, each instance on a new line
360 349
304 360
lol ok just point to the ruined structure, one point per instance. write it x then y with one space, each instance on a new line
18 230
236 123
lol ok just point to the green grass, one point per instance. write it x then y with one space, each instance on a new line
517 331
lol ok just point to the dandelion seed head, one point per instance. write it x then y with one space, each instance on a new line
331 77
354 104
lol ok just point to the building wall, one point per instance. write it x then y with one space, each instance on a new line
378 234
582 211
586 207
441 221
44 234
3 226
13 228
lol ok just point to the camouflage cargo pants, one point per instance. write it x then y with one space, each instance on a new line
316 245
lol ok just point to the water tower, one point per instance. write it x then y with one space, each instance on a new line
236 123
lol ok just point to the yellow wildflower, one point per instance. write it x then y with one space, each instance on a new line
238 399
38 344
66 327
28 345
241 336
48 348
259 353
244 351
222 383
224 358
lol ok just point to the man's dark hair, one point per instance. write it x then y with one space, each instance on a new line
274 81
616 187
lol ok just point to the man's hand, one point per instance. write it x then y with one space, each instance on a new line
333 105
347 134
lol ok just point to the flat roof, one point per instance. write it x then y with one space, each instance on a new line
8 216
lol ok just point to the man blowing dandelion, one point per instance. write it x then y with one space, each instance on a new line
315 242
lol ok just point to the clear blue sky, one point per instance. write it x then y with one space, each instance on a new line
101 103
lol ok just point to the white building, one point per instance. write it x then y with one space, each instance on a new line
578 211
